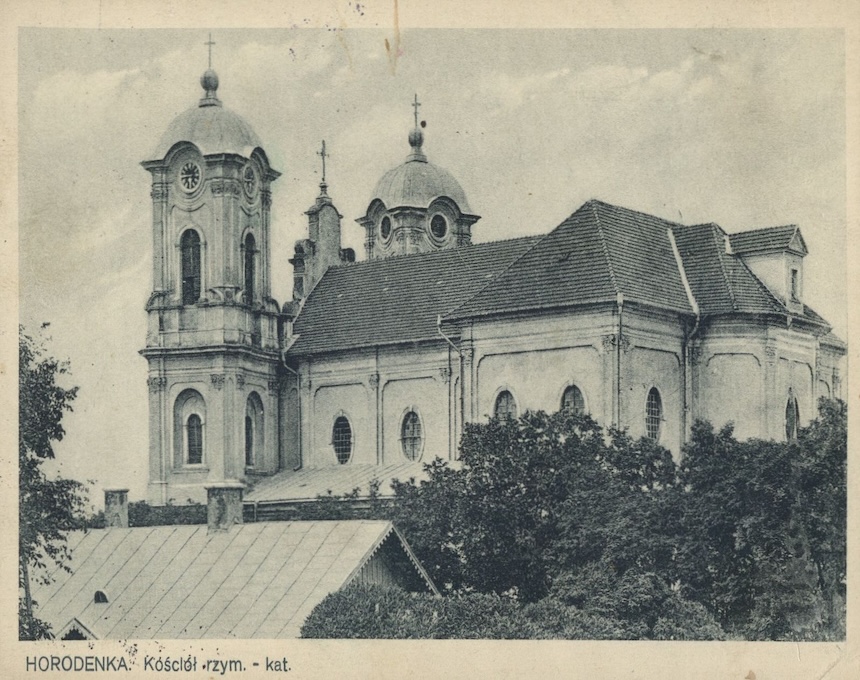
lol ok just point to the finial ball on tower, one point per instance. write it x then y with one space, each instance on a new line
209 80
416 137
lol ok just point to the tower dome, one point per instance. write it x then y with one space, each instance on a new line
209 126
416 207
417 182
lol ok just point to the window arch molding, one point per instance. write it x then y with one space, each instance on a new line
343 437
566 390
505 403
190 265
254 430
189 429
412 434
654 413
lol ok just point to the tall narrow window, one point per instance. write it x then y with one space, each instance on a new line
792 417
411 437
194 450
190 247
506 407
795 285
653 414
249 441
572 401
341 439
250 268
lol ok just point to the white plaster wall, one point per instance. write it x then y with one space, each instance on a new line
352 401
537 379
644 368
429 398
732 390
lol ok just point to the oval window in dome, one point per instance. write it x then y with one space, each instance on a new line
385 227
439 226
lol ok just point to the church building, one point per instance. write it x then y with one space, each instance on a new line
374 366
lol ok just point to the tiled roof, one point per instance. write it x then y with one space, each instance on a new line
721 283
168 582
599 251
765 240
308 483
396 299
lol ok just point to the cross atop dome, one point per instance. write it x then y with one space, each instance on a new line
209 81
416 137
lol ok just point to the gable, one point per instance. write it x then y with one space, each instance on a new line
768 240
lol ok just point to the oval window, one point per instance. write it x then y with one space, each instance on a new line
341 439
411 437
385 227
439 226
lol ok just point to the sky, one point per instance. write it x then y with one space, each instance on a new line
745 128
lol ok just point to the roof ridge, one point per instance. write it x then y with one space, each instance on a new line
721 251
604 245
771 228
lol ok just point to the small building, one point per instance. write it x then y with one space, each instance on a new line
222 580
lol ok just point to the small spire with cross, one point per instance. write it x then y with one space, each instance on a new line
209 45
415 105
323 155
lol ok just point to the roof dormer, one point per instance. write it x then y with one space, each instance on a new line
775 255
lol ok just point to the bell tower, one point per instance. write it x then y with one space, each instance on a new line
212 335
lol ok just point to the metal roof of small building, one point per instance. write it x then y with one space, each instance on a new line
310 483
253 581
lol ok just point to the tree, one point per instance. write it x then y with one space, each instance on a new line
763 529
48 507
568 519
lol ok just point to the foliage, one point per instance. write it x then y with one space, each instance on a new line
374 611
764 528
142 514
48 507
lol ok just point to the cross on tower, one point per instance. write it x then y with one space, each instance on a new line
322 154
415 106
209 44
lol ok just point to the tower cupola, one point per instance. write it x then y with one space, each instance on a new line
417 206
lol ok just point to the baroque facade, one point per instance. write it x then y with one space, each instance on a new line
374 366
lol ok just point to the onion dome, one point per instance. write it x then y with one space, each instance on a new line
416 183
209 126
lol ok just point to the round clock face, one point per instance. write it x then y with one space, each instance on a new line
249 180
189 177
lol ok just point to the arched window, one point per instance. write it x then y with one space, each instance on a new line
653 414
250 267
253 429
189 419
194 440
249 441
506 407
792 417
411 437
190 247
572 401
341 439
